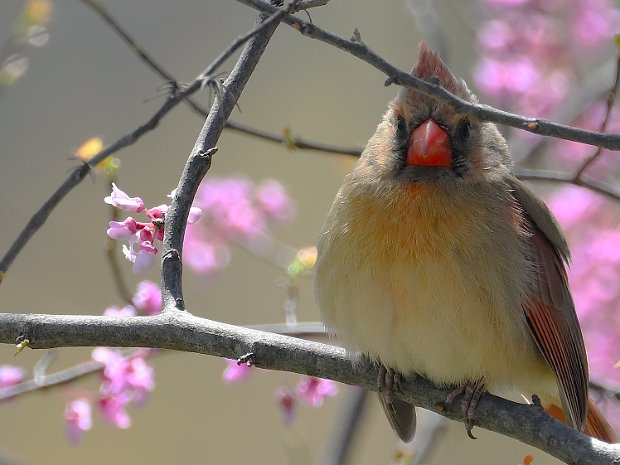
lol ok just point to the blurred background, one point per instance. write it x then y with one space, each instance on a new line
74 79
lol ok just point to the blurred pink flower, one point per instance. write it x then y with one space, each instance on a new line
11 375
571 205
235 372
286 400
313 390
127 380
233 209
112 408
127 310
148 298
203 255
591 225
140 379
528 49
78 417
273 200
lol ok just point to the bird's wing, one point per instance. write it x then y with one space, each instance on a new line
550 310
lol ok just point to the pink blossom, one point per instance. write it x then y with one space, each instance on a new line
495 35
140 378
126 380
202 255
313 390
595 22
286 400
112 408
143 259
148 298
142 237
195 214
114 371
127 310
272 199
157 212
121 200
78 416
572 205
235 372
122 230
11 375
233 209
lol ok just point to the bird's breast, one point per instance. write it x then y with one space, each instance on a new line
429 283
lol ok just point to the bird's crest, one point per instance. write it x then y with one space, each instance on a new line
431 68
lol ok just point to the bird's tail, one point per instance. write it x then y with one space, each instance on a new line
596 424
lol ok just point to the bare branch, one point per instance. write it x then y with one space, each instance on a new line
300 143
76 176
396 76
199 160
295 142
59 378
568 178
184 332
611 98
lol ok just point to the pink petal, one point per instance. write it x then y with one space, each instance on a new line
121 200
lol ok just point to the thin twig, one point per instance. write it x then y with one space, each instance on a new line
611 98
76 176
592 87
296 142
396 76
199 160
568 178
606 389
59 378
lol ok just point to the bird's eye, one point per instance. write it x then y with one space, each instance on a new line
462 130
401 130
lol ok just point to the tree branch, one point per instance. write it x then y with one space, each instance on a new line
199 160
294 142
184 332
79 173
396 76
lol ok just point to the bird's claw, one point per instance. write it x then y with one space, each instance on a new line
388 382
472 393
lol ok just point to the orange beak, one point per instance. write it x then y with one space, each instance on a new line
429 146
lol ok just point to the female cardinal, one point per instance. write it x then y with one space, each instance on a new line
436 260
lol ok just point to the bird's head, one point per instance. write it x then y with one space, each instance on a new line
423 140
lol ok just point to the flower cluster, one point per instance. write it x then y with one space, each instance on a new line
310 390
11 375
235 209
592 228
529 49
531 53
127 379
142 237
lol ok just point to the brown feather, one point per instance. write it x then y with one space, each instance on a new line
550 310
401 416
597 426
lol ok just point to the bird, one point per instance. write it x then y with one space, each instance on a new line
435 260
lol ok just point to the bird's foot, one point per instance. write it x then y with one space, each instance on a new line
472 393
388 382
